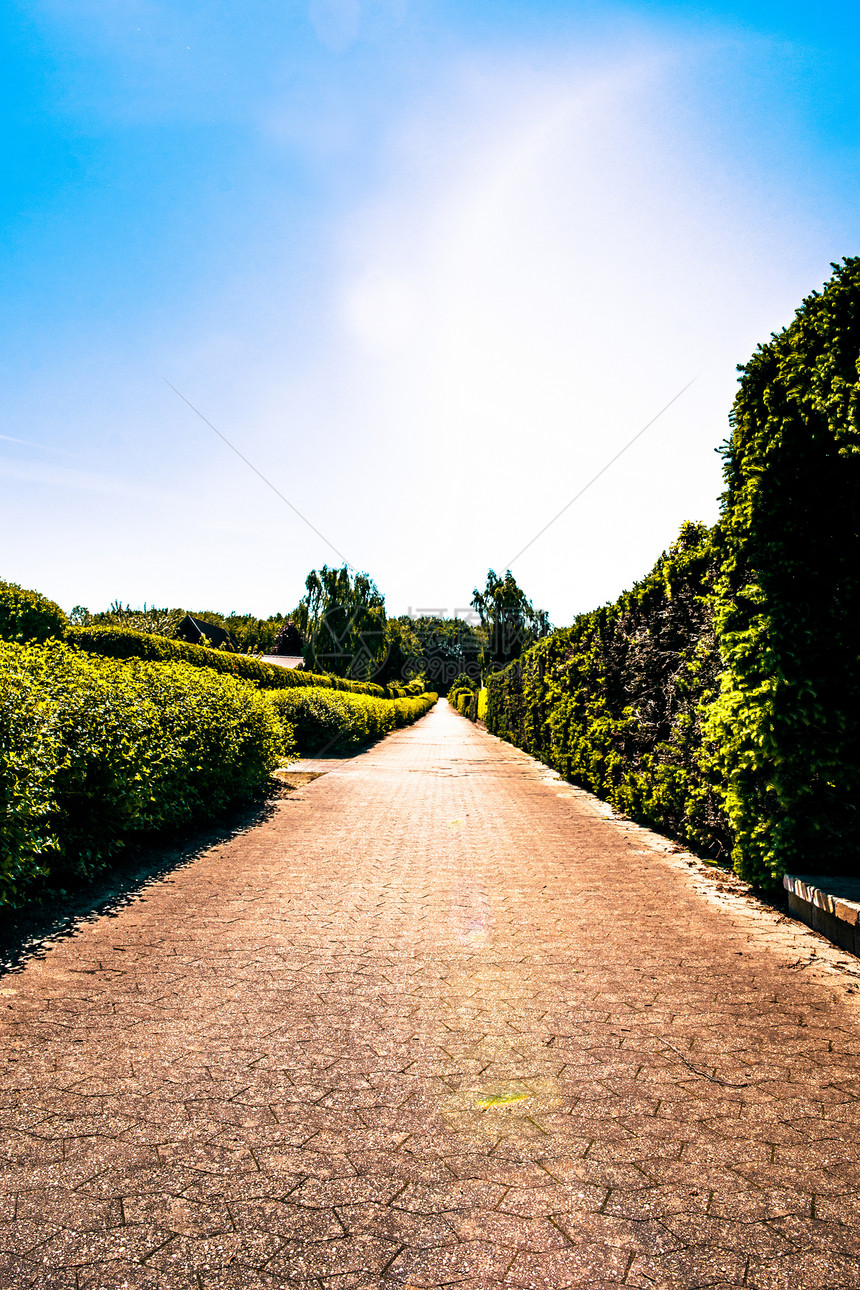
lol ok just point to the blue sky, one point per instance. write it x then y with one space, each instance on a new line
427 265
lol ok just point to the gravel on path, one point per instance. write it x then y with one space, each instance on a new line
439 1021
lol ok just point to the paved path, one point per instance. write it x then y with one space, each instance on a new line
436 1022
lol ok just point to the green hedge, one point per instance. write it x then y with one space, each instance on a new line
97 752
719 700
117 642
405 689
27 616
324 720
613 702
787 725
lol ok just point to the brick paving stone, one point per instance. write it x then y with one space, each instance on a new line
440 1020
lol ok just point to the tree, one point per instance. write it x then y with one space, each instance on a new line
510 620
288 639
403 654
342 618
440 649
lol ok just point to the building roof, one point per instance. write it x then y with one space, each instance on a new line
192 629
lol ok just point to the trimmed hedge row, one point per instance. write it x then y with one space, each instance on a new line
27 616
117 642
787 724
614 701
719 700
469 702
326 721
96 752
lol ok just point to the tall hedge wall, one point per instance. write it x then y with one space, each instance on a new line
719 700
787 726
613 702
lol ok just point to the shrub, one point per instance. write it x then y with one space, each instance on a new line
405 689
786 728
96 752
720 699
614 702
27 616
327 721
116 642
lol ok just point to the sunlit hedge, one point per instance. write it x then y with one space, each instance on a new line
27 616
613 702
786 728
96 752
720 698
327 721
118 642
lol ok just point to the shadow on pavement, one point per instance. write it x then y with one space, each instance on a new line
28 933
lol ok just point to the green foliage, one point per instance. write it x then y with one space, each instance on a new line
466 703
403 655
288 640
614 701
95 752
461 694
250 635
407 690
720 699
116 642
27 616
786 728
158 622
328 721
342 618
438 648
509 619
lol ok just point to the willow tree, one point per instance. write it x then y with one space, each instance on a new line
342 619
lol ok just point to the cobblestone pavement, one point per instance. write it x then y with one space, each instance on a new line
438 1021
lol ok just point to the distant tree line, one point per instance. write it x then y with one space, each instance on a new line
340 627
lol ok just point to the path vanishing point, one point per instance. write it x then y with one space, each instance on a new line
438 1020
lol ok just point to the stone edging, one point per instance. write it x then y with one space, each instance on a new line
830 906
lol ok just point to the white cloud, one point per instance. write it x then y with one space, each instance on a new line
551 261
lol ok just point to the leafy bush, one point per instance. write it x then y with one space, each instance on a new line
460 695
325 720
405 689
614 701
720 699
786 728
96 752
27 616
116 642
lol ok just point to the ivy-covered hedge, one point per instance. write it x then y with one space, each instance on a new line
118 642
787 724
470 703
613 702
27 616
719 700
97 752
324 720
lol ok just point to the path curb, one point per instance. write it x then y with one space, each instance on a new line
830 906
